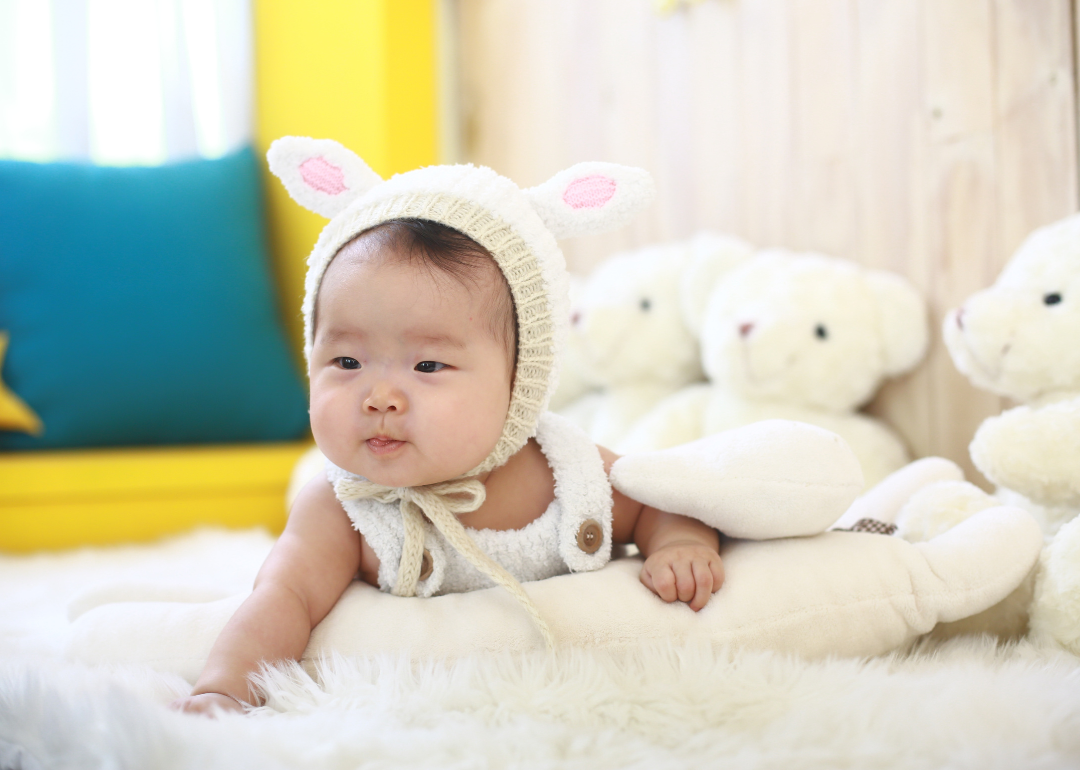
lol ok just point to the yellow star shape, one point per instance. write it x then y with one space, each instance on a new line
15 415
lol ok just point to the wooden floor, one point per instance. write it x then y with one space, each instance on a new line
926 137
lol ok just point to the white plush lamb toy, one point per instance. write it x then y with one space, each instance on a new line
790 586
630 340
1020 339
795 336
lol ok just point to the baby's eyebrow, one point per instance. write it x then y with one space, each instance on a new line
335 335
441 339
445 340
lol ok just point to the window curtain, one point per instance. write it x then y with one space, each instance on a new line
124 82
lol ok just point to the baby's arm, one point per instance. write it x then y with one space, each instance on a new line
682 560
312 563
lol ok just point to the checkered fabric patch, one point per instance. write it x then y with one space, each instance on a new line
872 526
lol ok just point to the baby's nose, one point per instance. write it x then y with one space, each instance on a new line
384 398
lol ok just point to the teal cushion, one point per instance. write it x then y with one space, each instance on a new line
140 308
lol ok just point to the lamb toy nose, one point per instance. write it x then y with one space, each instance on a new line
745 329
575 318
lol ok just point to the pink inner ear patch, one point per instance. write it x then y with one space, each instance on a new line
321 175
589 192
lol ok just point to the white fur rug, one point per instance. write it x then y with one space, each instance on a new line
959 704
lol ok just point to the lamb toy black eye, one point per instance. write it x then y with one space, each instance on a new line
821 332
645 304
1052 299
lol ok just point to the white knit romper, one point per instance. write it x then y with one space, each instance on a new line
572 535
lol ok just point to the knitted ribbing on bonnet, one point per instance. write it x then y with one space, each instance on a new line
518 228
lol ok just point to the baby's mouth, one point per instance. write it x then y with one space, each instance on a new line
382 445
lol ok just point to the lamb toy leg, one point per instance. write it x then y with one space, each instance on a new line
885 500
936 510
770 479
776 478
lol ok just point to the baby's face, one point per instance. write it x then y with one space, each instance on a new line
409 385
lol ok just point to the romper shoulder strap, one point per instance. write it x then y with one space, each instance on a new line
583 491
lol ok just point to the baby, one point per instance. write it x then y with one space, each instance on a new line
430 335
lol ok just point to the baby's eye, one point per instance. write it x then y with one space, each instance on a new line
1052 299
347 363
429 367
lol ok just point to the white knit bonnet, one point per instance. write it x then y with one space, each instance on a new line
518 227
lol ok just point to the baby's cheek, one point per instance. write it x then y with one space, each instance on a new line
326 421
470 433
316 413
489 419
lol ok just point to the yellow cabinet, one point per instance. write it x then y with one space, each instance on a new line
52 500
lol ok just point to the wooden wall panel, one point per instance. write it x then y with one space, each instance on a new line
957 194
926 137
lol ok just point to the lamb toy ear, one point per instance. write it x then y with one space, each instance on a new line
904 327
320 174
590 198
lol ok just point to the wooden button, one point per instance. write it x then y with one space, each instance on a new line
590 536
427 564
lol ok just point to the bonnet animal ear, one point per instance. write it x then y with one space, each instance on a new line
712 257
905 330
320 174
590 198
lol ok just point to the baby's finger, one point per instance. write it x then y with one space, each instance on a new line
684 580
703 577
646 579
663 583
207 704
716 566
194 706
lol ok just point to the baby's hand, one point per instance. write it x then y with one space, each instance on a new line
684 570
208 703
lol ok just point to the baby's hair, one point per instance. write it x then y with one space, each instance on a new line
440 248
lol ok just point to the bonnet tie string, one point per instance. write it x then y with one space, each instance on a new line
441 503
